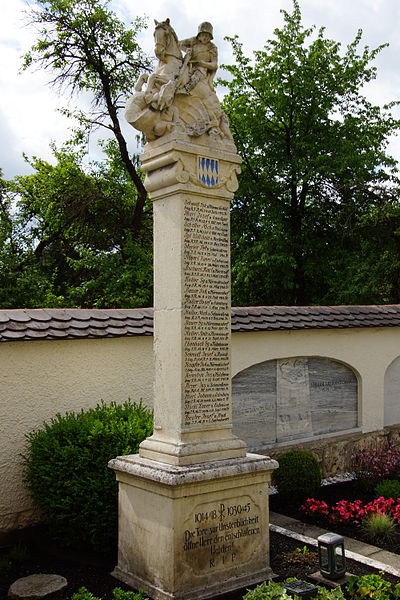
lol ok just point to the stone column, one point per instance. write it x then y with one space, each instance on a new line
191 187
193 505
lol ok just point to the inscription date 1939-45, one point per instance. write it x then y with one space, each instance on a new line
222 512
221 529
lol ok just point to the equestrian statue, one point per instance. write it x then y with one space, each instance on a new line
179 95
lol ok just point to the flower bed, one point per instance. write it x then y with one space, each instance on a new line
352 512
346 518
367 508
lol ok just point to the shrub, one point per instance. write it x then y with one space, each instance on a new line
297 476
370 466
371 586
67 475
388 488
379 526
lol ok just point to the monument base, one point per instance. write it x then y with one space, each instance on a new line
193 531
212 446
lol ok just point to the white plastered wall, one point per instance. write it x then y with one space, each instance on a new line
367 351
41 378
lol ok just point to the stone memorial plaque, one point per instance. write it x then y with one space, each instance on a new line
206 314
293 398
333 395
220 535
293 410
254 404
392 387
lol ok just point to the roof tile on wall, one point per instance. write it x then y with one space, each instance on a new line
74 323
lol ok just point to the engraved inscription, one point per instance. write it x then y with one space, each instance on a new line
206 314
333 396
254 404
293 398
222 534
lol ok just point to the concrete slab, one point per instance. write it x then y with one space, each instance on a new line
359 547
389 558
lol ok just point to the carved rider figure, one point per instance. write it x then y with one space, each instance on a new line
201 57
179 94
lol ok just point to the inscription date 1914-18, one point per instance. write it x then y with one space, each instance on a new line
222 512
221 529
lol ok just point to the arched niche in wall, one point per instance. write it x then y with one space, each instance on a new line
293 398
392 393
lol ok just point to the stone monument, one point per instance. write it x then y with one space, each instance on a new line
193 506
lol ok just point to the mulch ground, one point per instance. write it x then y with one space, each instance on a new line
93 572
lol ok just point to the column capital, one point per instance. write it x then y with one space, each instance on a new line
174 164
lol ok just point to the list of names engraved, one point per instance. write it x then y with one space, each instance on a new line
206 313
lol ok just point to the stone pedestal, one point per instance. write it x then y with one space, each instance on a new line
193 532
193 507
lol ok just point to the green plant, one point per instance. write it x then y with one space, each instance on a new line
379 526
270 590
303 550
118 594
388 488
67 474
298 475
84 594
372 465
369 586
273 590
129 595
325 594
299 557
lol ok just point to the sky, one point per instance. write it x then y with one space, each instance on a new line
29 117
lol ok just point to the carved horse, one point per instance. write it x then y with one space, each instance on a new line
172 72
200 111
170 61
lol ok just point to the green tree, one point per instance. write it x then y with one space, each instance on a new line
364 267
78 233
20 279
68 240
88 49
315 170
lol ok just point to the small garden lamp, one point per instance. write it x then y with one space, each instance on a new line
331 557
